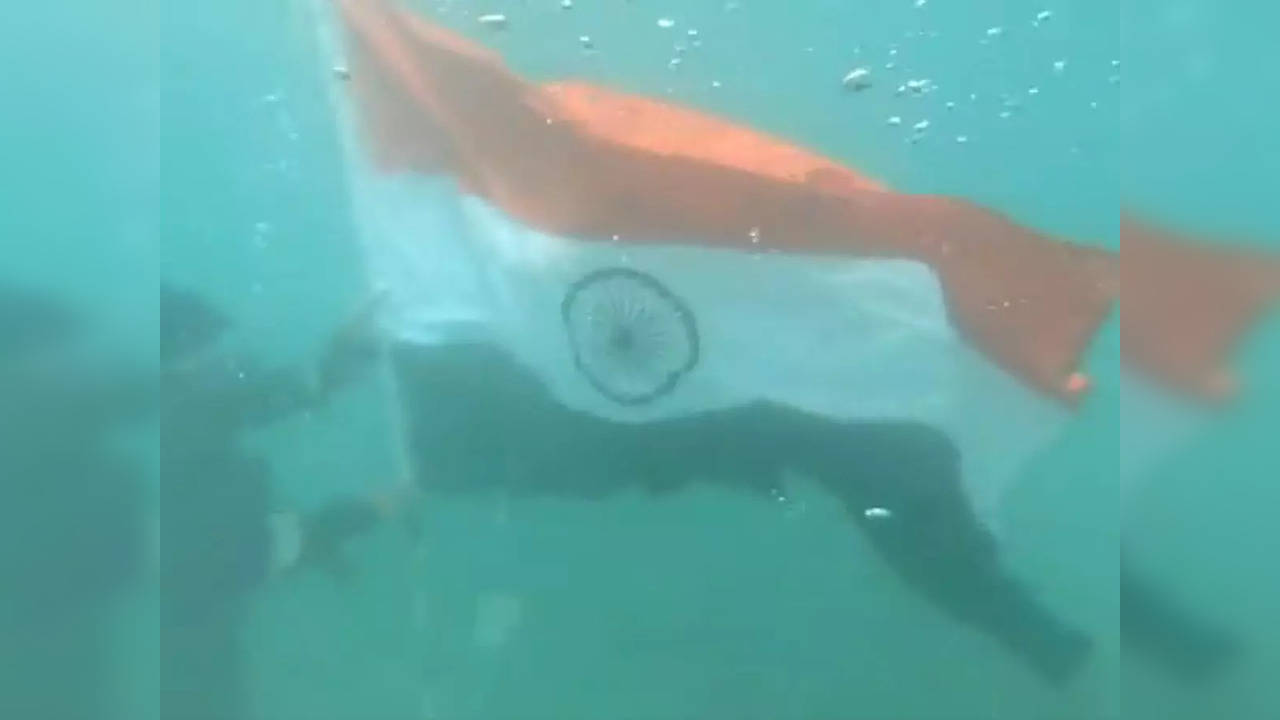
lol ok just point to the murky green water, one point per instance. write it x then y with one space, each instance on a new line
194 144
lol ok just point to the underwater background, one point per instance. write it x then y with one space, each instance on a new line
193 142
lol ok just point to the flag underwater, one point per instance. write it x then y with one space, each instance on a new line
650 262
540 217
590 291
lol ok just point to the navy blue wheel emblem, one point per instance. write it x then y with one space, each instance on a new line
631 337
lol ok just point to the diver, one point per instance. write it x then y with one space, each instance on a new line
221 534
486 424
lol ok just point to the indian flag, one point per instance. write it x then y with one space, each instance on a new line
637 262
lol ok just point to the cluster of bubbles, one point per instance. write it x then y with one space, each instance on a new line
863 78
688 40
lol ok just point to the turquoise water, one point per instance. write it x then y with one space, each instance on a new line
195 144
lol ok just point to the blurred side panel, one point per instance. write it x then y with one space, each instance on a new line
77 351
1199 257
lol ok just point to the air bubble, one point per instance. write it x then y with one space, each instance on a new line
857 79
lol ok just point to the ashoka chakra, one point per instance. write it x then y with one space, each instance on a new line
631 337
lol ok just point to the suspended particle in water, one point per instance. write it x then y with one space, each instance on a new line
586 42
1033 90
715 83
921 3
1005 114
261 235
857 79
951 105
1042 17
962 139
995 31
895 120
666 23
675 63
754 234
890 65
566 4
919 87
877 513
692 33
1114 79
341 72
921 126
1059 66
497 21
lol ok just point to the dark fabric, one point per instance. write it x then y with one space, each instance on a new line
215 500
327 529
479 421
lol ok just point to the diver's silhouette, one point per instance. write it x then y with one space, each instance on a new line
219 529
481 422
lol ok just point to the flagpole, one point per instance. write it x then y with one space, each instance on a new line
316 16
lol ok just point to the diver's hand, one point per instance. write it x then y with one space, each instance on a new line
353 347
